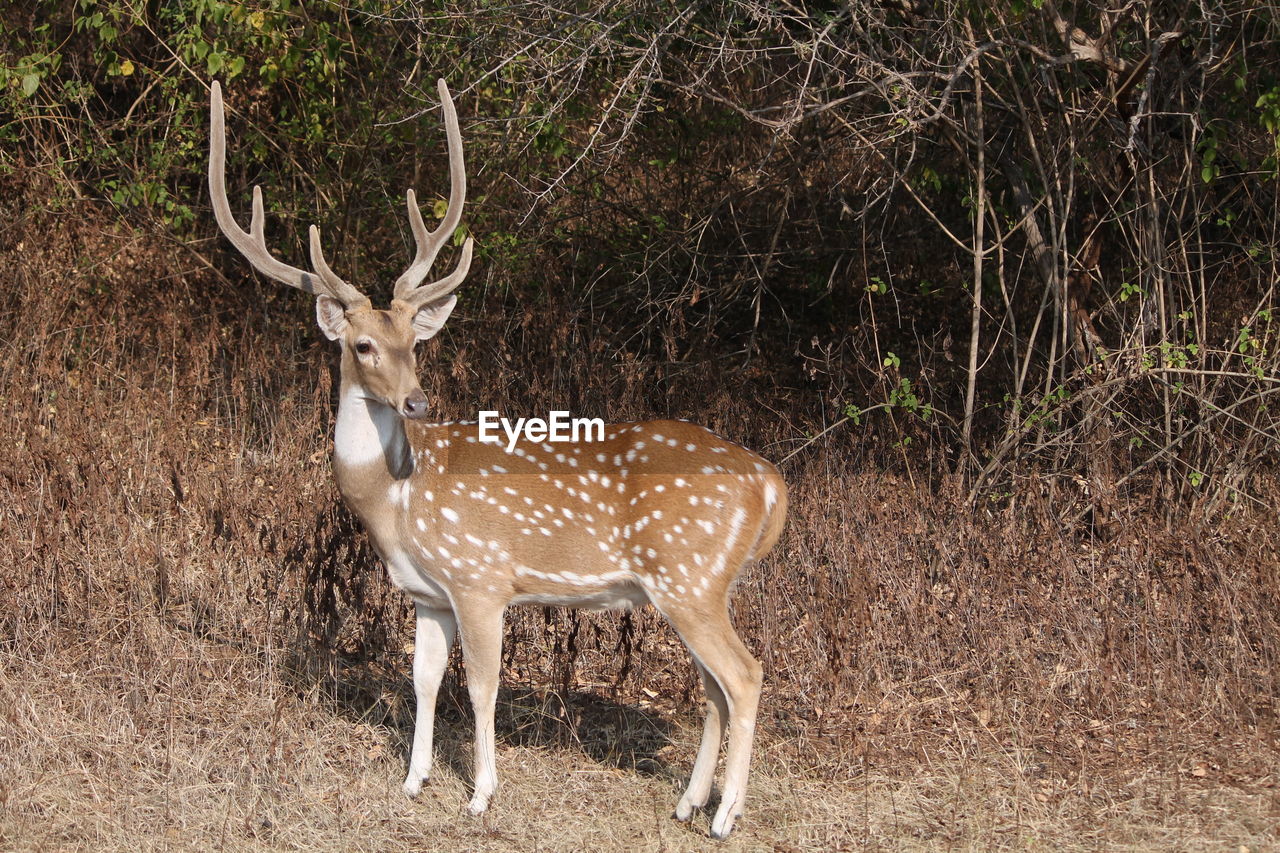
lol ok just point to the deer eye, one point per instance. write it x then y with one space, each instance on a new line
364 347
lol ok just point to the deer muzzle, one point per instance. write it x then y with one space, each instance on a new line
415 405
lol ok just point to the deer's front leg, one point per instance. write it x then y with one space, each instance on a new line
432 640
480 622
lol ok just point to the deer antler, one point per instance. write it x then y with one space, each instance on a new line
252 243
429 243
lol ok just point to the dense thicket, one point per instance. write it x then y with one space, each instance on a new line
1004 240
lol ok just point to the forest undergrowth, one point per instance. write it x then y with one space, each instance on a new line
200 648
994 285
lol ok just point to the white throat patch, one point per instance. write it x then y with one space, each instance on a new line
366 431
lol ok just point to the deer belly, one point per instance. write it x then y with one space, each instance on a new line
614 596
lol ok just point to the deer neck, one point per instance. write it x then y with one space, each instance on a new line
371 453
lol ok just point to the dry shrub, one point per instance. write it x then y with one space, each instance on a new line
182 585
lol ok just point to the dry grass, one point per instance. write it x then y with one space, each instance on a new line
206 746
198 651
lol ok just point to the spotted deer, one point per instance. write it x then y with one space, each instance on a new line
658 512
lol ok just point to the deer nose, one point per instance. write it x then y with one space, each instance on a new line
415 405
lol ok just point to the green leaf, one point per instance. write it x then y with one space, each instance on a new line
30 82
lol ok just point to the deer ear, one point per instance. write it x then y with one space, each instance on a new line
331 315
431 317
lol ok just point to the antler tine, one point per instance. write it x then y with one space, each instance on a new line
429 243
430 292
252 243
341 290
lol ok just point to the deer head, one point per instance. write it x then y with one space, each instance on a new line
377 344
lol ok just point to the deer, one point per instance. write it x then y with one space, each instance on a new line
662 512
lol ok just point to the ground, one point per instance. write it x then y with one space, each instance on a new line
148 740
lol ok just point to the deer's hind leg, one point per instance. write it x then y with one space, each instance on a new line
737 676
